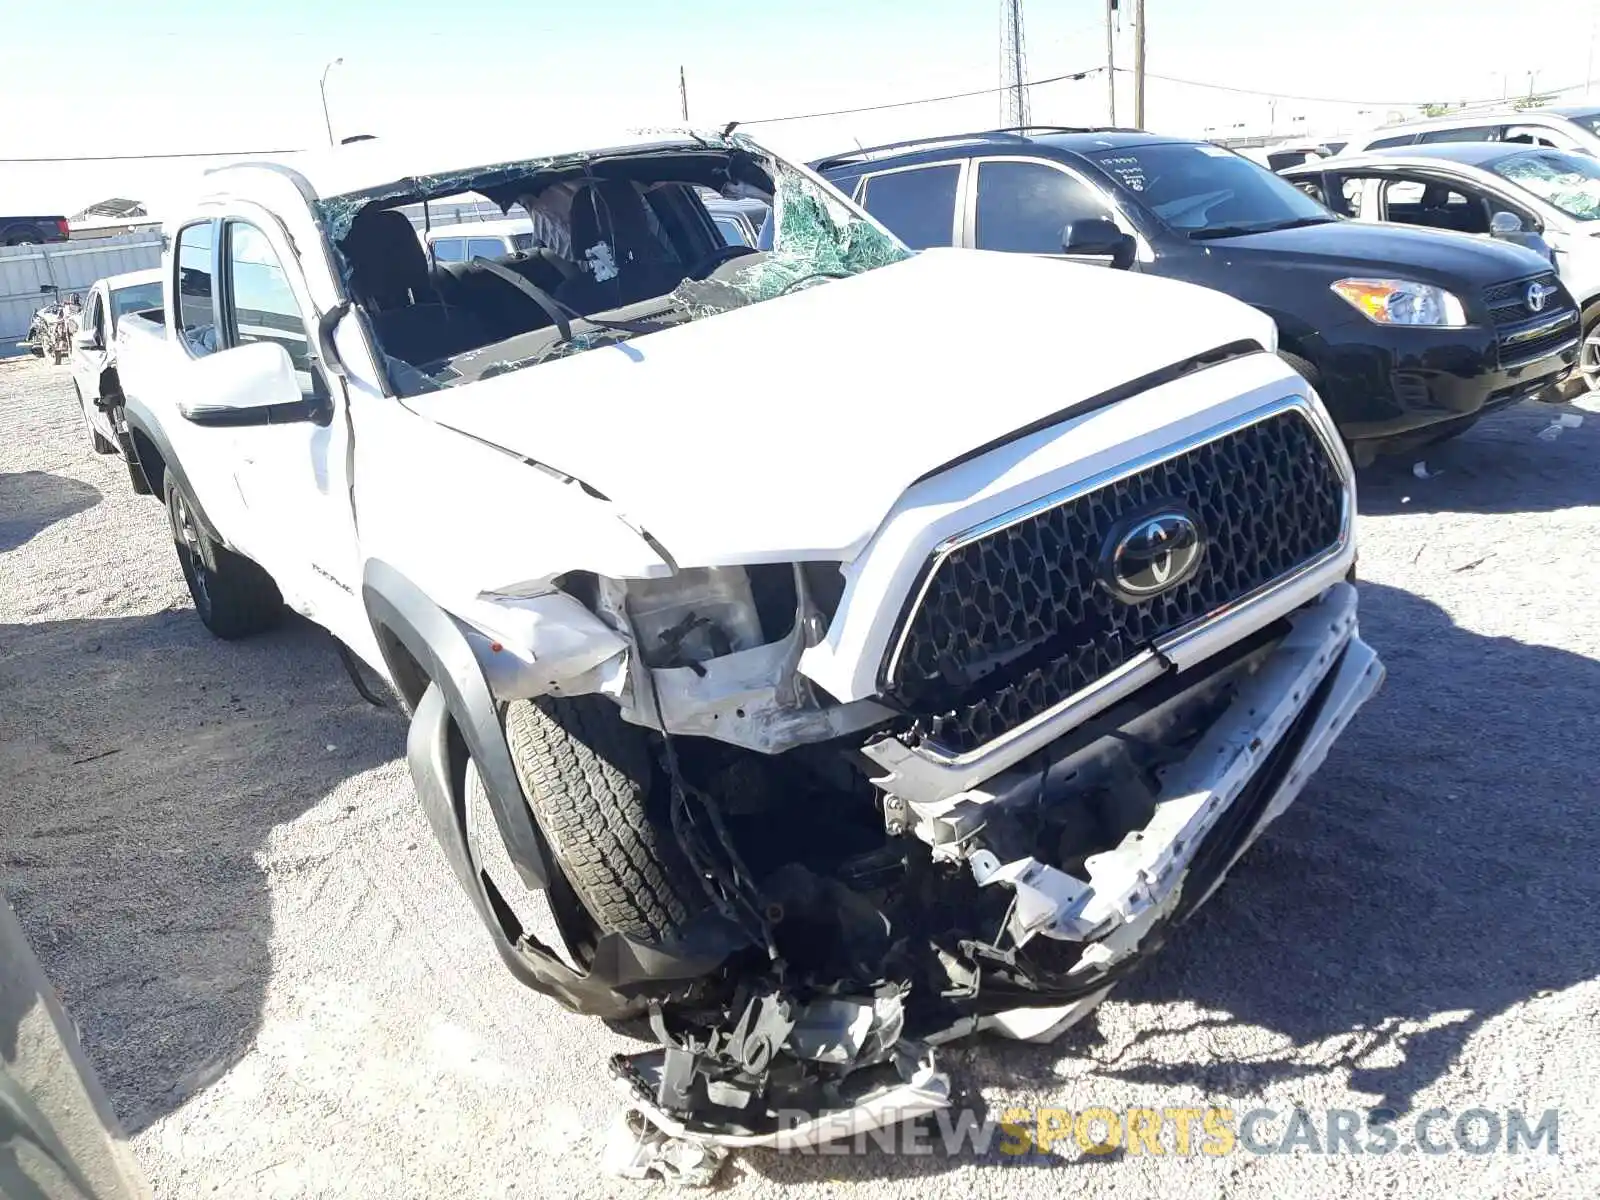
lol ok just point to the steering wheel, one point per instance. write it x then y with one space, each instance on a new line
715 259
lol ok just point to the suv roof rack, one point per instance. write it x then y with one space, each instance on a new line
1020 132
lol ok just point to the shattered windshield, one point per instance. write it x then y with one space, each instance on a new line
627 247
1571 182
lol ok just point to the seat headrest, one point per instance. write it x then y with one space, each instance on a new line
611 211
388 267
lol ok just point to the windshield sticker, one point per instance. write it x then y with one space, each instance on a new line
1128 170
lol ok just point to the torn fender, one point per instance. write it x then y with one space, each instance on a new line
456 719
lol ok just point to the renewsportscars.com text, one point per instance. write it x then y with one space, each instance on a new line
1212 1131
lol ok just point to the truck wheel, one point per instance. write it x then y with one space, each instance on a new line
101 443
592 783
232 596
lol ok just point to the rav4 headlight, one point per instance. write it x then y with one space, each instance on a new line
1402 302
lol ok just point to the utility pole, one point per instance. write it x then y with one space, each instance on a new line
1111 62
1138 64
1014 51
683 95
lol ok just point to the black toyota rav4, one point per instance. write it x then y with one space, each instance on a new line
1409 335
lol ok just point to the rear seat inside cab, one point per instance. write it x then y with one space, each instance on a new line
389 276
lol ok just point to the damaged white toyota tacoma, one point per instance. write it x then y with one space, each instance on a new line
844 688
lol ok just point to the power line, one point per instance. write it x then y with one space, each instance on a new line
143 157
991 91
1242 91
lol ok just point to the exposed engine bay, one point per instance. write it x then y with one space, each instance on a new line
877 929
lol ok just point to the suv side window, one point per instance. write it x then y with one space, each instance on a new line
261 304
1469 133
1434 205
197 320
1384 143
918 205
1022 206
1533 135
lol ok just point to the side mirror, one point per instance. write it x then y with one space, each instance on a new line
1098 236
86 339
253 384
1504 223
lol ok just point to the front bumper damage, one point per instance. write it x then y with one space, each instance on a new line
768 1057
1248 767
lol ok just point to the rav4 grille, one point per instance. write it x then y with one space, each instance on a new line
1014 622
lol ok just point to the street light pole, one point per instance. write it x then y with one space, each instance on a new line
1138 64
322 86
1111 62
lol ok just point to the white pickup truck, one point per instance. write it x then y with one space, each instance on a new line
858 649
94 351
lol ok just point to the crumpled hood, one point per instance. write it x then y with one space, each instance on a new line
785 431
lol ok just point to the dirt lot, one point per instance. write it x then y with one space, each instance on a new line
216 852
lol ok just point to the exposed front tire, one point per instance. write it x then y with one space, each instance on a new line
233 597
101 443
593 785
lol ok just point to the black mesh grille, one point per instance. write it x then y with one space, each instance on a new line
1508 303
1016 622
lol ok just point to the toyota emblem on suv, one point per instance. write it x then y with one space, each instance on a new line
1537 295
1156 552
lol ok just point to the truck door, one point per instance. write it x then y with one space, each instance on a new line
89 361
292 471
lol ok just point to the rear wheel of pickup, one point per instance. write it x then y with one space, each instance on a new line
233 597
594 787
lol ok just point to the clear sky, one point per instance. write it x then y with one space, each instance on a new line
165 76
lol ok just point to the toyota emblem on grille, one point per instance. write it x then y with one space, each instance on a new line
1537 295
1155 552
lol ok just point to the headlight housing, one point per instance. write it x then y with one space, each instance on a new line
1402 302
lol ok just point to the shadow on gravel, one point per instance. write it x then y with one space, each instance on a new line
147 763
1500 465
1441 869
32 501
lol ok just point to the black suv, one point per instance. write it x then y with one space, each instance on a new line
1409 335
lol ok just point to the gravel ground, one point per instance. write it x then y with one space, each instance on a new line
215 850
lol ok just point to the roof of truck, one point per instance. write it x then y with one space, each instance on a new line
374 162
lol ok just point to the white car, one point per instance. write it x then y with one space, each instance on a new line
839 686
479 239
1544 198
1563 127
94 348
